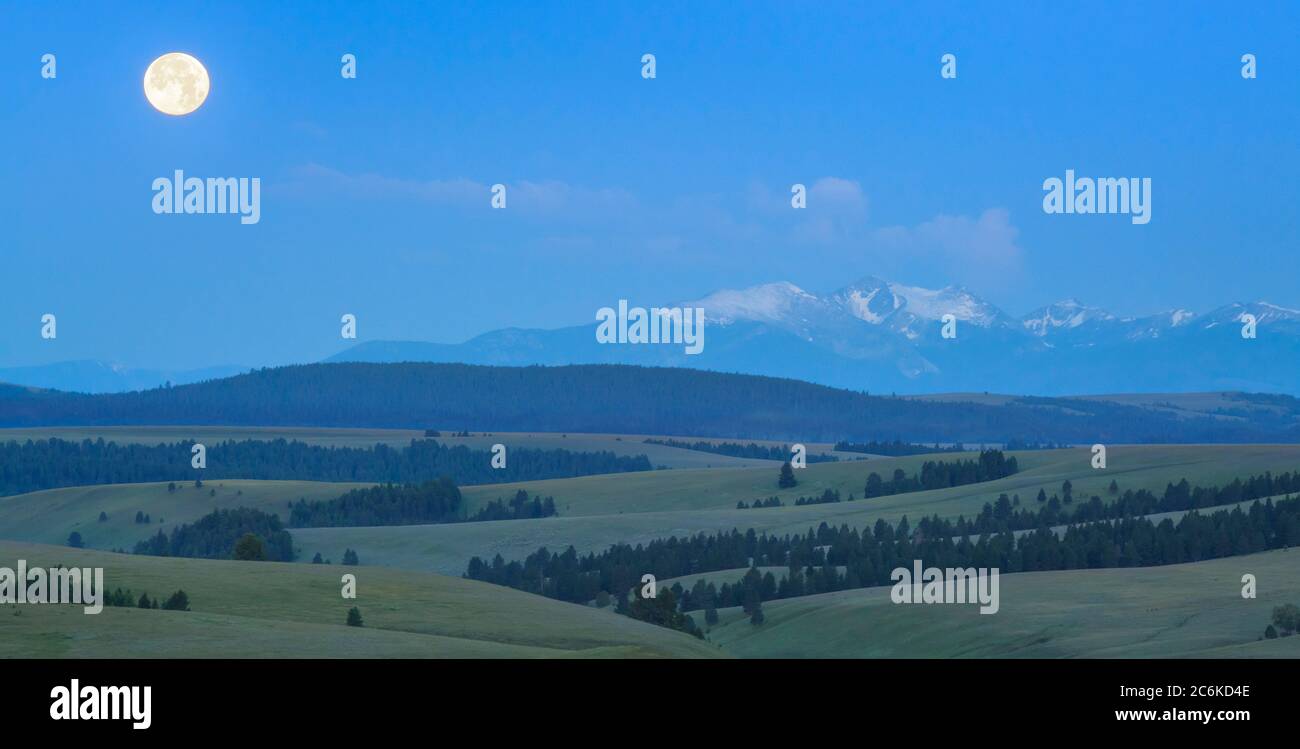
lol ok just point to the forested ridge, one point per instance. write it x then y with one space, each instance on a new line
620 399
1006 514
934 474
410 504
738 450
827 558
46 464
895 448
218 534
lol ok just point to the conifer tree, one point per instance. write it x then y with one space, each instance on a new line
787 476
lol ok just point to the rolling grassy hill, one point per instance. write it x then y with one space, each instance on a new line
49 516
597 511
1132 467
265 609
1185 610
705 501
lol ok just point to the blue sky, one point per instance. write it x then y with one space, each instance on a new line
375 190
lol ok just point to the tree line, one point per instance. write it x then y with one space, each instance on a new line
989 466
177 601
1006 514
241 533
894 448
738 450
50 463
828 558
826 497
411 504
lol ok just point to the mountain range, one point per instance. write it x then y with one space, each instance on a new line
880 336
871 335
93 376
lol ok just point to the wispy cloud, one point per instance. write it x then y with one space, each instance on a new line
712 227
545 200
981 249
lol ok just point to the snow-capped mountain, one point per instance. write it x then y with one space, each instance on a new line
879 335
823 323
781 303
1073 323
1265 314
912 310
1157 325
1067 315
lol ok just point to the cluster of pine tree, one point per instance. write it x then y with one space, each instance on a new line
387 504
221 534
48 464
738 450
1003 515
1286 621
748 592
662 610
412 504
177 601
827 497
1018 444
520 507
759 503
829 558
896 448
991 465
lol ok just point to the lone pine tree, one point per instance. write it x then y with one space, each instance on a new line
787 476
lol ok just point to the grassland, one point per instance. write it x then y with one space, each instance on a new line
413 610
597 511
705 501
49 516
264 609
1226 405
1186 610
619 444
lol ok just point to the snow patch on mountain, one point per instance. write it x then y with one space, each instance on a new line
771 302
1068 315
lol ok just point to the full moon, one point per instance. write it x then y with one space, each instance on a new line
176 84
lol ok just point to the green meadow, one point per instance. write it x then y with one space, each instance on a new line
272 610
1185 610
416 605
49 516
686 502
598 511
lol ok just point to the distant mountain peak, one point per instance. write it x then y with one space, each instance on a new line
1067 314
1264 313
958 301
769 302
